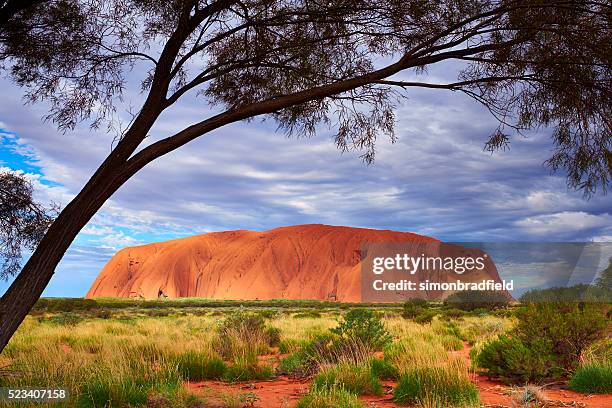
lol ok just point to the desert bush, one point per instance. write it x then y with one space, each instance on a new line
102 313
310 314
426 316
382 369
576 293
247 368
197 366
592 379
158 313
451 342
268 313
453 313
471 300
440 386
413 307
286 346
364 326
66 319
273 336
546 342
324 349
327 397
129 388
354 378
242 330
509 359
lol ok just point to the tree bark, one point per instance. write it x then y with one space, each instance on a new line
29 285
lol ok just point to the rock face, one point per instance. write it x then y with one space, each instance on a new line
298 262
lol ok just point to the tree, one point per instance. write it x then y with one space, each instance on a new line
305 63
10 8
23 221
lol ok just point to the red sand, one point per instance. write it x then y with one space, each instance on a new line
284 392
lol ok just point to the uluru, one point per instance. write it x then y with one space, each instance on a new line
297 262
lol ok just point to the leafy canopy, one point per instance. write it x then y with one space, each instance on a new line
307 63
23 221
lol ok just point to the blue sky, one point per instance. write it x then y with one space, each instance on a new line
436 180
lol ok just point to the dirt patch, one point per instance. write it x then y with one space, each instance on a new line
281 392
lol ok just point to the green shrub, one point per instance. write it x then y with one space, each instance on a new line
435 386
334 397
158 313
66 319
592 379
546 343
354 378
242 321
304 362
196 366
364 326
426 316
470 300
413 307
454 313
451 342
273 335
310 314
247 370
243 330
509 359
383 369
290 345
576 293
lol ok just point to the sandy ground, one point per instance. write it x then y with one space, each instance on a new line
283 392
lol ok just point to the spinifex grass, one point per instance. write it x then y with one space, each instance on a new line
329 397
354 378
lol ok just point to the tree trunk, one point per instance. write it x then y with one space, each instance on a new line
35 275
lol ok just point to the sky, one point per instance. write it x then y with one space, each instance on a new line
436 180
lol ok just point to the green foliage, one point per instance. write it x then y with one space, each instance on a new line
105 390
426 316
546 343
354 378
454 313
66 319
470 300
242 321
364 326
451 342
509 359
413 307
310 314
431 386
326 397
304 362
273 335
383 369
247 370
592 379
242 329
196 366
286 346
576 293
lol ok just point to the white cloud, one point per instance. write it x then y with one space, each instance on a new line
563 223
